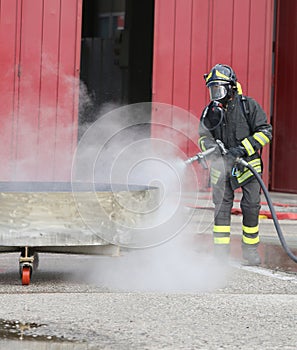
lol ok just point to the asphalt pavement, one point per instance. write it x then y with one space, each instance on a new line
66 307
171 297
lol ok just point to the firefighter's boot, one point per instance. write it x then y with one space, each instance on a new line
250 254
221 252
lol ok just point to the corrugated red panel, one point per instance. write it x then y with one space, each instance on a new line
164 50
164 40
29 89
48 88
198 66
9 52
191 36
40 46
181 78
67 120
284 165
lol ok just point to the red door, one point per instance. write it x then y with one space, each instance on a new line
284 165
39 52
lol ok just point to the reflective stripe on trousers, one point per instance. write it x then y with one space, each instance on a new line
221 234
223 197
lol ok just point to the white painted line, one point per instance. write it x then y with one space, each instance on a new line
266 272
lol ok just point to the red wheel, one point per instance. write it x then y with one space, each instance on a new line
26 272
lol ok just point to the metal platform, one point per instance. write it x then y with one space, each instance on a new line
71 218
39 214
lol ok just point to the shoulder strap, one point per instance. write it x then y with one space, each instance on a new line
245 108
246 112
243 102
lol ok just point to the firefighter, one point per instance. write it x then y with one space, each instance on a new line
241 125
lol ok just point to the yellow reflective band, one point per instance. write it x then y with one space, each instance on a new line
255 162
214 180
215 172
202 138
239 88
214 175
246 175
261 138
248 240
221 229
201 143
250 230
208 77
247 145
221 240
218 74
221 75
203 148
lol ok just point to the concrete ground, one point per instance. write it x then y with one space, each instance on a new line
161 299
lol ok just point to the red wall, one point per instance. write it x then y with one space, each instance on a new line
193 35
284 164
40 58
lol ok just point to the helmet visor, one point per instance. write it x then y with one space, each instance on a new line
217 91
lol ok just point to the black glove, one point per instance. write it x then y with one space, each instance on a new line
237 152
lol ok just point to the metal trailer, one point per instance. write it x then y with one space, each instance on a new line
70 218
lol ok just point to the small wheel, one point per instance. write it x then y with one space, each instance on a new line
26 274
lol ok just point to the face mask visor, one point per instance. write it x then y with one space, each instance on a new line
217 91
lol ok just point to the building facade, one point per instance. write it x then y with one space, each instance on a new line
159 54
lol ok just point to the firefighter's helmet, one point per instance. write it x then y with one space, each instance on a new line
221 82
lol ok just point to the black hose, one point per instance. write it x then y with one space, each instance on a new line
272 210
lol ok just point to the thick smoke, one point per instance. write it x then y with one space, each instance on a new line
161 249
183 264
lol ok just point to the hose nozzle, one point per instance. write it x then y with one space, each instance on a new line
192 159
200 157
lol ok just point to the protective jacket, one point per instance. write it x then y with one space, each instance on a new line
242 123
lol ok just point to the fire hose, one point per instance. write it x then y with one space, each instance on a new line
201 158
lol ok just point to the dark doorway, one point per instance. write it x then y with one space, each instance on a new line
284 166
116 55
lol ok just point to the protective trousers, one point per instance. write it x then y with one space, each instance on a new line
223 197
